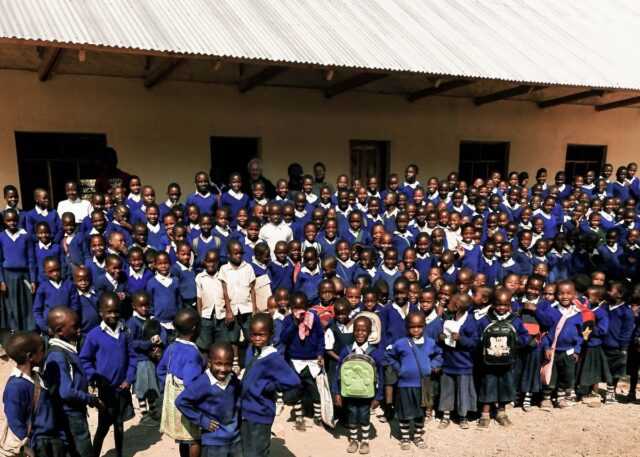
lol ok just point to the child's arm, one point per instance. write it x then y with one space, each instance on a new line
254 304
88 358
17 409
392 357
58 376
329 342
319 332
228 313
163 367
285 377
289 329
188 404
38 310
132 364
626 332
436 357
468 337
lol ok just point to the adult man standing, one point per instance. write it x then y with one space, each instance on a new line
254 169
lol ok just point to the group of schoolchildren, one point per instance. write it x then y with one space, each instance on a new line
444 301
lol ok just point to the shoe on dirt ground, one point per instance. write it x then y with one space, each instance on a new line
300 425
503 420
484 422
364 448
405 445
353 447
420 443
444 423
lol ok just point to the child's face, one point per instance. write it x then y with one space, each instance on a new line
370 301
401 293
97 247
310 261
140 235
42 199
174 194
258 191
110 313
220 363
52 270
136 260
81 279
43 234
11 221
327 293
69 329
295 251
282 189
353 296
414 292
533 288
235 183
390 259
68 225
221 218
361 331
235 254
503 304
202 183
184 255
310 233
259 335
193 214
142 306
512 283
275 214
11 197
153 216
211 262
148 196
566 294
162 264
282 300
342 314
206 225
427 301
415 326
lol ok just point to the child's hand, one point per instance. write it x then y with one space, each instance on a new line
575 356
3 288
155 339
375 404
121 295
124 386
321 361
228 317
548 353
213 425
33 287
441 337
436 371
338 401
455 336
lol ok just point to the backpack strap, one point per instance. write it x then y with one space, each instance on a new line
37 390
414 350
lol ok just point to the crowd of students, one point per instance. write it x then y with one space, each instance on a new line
446 301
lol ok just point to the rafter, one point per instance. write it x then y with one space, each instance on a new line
506 93
618 104
260 78
354 82
161 71
571 98
436 90
50 59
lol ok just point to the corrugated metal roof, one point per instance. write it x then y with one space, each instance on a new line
574 42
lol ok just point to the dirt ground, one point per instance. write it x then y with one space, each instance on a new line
578 431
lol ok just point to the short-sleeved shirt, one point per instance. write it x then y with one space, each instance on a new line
238 280
209 291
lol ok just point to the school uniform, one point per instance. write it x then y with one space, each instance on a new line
96 267
73 253
206 203
346 271
529 356
138 215
49 295
612 260
114 226
186 277
620 190
618 338
593 367
513 211
155 236
69 390
450 275
389 220
414 360
200 245
41 252
207 399
137 280
559 265
166 207
235 201
39 427
327 246
17 270
523 260
308 282
87 305
224 235
457 390
266 373
498 383
37 215
402 241
106 283
280 275
607 221
387 275
108 359
164 293
360 237
424 263
392 318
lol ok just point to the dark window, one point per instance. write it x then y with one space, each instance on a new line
49 160
582 158
231 154
478 159
369 158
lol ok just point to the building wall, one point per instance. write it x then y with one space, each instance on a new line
163 134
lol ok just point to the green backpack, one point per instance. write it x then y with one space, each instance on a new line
358 376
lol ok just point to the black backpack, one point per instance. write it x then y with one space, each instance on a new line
499 341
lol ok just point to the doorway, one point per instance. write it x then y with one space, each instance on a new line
49 160
478 159
231 154
370 158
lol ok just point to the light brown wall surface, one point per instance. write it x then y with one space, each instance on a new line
163 134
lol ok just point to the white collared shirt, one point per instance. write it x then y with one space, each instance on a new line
79 208
135 274
16 235
43 246
234 194
153 228
114 333
216 382
362 350
112 281
41 212
135 197
166 281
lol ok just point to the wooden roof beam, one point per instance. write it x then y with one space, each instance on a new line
354 82
161 71
618 104
506 93
49 61
439 89
260 78
571 98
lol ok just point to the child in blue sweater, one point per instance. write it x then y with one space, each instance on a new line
415 358
303 338
85 300
234 198
502 334
53 291
618 338
164 292
184 273
137 274
66 381
212 403
458 340
108 360
181 365
310 276
42 213
27 403
266 374
44 247
204 199
17 274
280 270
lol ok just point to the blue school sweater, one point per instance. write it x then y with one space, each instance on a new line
102 284
393 323
201 245
49 296
450 275
433 327
206 203
402 241
107 359
490 268
132 202
386 275
17 399
459 360
234 204
361 237
95 269
206 399
186 278
612 260
346 271
559 265
570 338
75 250
620 191
307 283
138 215
280 275
32 218
472 255
66 379
601 327
182 359
265 375
224 235
523 260
114 226
506 268
311 347
621 324
414 359
156 236
328 246
424 262
389 221
165 299
87 306
17 255
137 282
41 253
378 356
140 344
